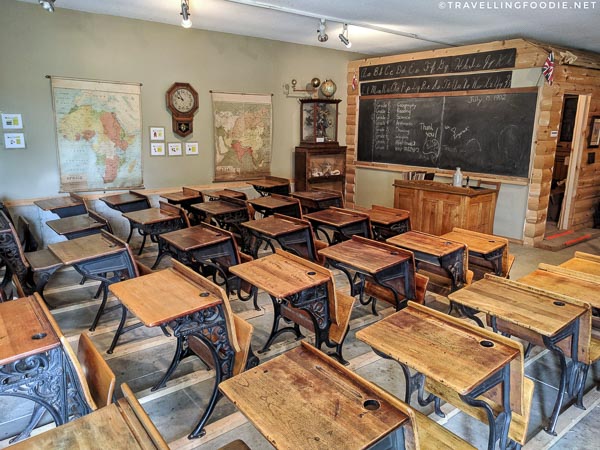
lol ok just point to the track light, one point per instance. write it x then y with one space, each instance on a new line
344 37
186 22
48 5
322 36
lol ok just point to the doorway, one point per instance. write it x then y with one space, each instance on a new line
565 172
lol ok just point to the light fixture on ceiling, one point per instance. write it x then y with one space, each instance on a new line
48 5
322 36
344 37
186 22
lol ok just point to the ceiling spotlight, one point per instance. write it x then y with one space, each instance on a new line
344 37
322 36
186 22
48 5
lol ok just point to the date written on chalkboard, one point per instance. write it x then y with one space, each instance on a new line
494 80
474 62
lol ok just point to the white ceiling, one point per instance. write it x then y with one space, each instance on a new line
432 21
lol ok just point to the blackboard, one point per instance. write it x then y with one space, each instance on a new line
472 62
488 133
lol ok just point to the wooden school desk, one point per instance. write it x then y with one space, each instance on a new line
303 399
76 226
64 206
184 198
294 283
152 222
583 262
33 363
225 213
344 223
101 257
270 205
450 256
203 246
468 360
537 316
388 266
271 185
275 227
191 306
127 202
388 222
123 424
312 201
486 247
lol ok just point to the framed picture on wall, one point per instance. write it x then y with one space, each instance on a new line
174 148
157 149
595 132
191 148
157 133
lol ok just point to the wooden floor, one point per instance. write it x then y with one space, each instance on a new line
143 356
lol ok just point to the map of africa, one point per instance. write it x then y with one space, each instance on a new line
242 136
99 134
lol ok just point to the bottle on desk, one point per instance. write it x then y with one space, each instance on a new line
457 178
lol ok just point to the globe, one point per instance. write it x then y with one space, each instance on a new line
328 88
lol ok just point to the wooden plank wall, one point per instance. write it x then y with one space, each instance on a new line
568 79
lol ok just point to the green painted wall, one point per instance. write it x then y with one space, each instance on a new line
82 45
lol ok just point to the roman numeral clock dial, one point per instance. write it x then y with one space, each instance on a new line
182 102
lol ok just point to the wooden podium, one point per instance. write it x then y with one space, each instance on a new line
437 208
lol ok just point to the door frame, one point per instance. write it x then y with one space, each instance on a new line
577 145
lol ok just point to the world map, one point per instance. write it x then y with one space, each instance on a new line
99 134
242 136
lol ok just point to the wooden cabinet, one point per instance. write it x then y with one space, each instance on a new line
323 168
436 208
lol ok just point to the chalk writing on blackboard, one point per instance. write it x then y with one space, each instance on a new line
488 133
480 81
473 62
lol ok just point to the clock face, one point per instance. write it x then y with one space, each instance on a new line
183 100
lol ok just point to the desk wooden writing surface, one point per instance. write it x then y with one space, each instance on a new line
455 356
126 202
583 262
527 307
188 239
76 250
108 427
217 207
24 330
366 255
180 196
579 285
162 296
54 203
269 182
303 400
383 217
335 217
426 243
73 224
271 202
278 275
150 215
475 243
273 226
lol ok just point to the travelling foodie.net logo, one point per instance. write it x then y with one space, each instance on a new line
551 5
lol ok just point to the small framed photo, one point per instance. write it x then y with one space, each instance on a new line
157 149
14 140
595 132
157 133
12 121
174 148
191 148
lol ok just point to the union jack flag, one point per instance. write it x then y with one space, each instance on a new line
548 69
